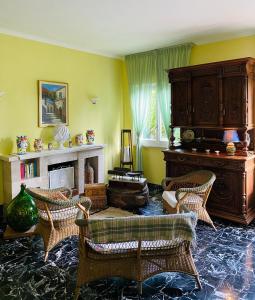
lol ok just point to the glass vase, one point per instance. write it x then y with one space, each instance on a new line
22 212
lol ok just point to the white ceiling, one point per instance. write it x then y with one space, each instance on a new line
119 27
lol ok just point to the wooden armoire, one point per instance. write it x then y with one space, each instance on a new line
206 100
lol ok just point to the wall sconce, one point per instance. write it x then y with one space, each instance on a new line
2 93
230 137
94 100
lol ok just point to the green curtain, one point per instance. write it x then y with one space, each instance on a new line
141 70
168 58
144 71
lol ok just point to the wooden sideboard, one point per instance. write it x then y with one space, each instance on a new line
232 195
209 99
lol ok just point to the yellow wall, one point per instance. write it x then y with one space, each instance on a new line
24 62
230 49
154 167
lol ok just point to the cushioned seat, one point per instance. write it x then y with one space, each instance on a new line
135 248
169 197
190 192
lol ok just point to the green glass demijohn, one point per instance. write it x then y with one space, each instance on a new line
22 212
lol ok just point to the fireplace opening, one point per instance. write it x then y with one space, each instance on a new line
61 175
91 170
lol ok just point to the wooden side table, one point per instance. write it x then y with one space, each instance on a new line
127 193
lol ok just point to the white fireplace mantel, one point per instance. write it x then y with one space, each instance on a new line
77 154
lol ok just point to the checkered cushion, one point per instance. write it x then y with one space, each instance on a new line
146 228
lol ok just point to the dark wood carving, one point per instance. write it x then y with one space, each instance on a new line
180 109
205 101
223 196
218 95
234 97
232 195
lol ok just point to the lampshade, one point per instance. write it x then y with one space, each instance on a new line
230 136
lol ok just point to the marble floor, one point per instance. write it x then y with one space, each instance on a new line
224 258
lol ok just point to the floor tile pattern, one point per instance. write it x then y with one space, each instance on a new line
224 258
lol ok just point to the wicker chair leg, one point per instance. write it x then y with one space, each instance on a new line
204 216
209 221
46 256
198 282
214 227
140 287
77 292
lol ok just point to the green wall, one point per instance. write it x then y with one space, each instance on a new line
24 62
154 166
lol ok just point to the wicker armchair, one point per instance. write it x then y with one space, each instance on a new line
135 248
190 191
57 213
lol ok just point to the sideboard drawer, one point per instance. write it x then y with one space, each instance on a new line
206 161
184 158
223 164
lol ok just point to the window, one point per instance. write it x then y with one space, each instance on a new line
154 134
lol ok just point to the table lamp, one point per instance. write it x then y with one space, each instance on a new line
230 137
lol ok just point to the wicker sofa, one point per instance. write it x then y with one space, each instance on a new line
135 248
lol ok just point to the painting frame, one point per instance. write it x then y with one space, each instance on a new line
52 103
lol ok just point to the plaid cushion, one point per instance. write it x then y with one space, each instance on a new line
146 228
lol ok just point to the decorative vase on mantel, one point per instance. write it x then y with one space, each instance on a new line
22 144
61 134
22 212
90 136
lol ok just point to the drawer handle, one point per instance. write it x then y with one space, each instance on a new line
220 163
181 158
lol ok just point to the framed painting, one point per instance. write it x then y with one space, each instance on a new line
53 103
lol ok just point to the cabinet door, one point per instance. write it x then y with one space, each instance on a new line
225 196
234 97
180 103
205 100
175 169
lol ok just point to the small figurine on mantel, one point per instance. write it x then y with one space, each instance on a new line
38 145
50 146
79 139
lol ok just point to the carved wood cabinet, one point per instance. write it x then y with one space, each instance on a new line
214 95
209 99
